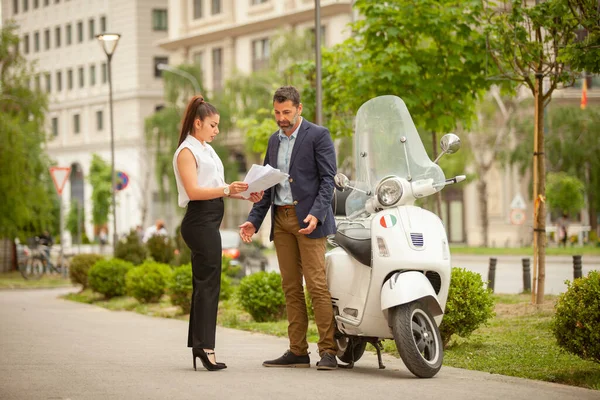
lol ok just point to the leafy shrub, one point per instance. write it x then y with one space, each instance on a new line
469 305
180 287
262 297
131 249
309 306
148 282
576 324
107 277
161 249
79 268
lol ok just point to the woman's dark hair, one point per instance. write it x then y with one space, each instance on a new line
196 108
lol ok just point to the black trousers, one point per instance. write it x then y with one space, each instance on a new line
200 231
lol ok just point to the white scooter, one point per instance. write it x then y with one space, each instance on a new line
390 270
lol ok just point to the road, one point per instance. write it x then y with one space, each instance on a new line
509 270
56 349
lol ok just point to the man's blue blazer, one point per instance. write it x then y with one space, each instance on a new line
312 168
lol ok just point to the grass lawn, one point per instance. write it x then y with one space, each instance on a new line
517 342
525 251
14 280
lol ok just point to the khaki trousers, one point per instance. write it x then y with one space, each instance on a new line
299 256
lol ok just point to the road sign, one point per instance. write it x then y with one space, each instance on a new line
518 203
517 216
59 177
122 180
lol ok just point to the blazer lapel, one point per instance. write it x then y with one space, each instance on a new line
273 152
299 139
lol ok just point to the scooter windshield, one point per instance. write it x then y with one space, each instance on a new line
386 142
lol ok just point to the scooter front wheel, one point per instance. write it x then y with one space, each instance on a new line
418 339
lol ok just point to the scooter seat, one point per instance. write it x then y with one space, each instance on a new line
357 242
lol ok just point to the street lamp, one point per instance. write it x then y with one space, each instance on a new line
109 42
180 72
319 92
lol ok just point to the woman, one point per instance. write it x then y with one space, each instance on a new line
201 186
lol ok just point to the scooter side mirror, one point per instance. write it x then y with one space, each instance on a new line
450 143
341 181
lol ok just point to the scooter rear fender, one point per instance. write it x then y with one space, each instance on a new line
406 287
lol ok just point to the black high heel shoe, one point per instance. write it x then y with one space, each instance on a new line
203 355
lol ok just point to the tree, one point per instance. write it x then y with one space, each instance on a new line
100 179
584 54
26 193
526 42
565 193
75 222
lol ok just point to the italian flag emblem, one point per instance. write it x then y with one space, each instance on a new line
387 221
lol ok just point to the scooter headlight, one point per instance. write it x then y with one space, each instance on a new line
389 191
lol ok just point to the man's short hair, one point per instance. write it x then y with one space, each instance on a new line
286 93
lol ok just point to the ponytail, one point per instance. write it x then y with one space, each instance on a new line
196 108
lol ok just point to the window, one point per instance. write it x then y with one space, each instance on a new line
198 59
99 120
215 7
47 39
15 6
38 85
81 77
159 20
36 3
54 126
48 82
159 60
92 29
59 81
254 2
36 42
92 75
197 9
104 73
57 36
25 5
70 79
323 31
69 35
79 32
26 44
76 127
217 68
260 54
46 2
102 24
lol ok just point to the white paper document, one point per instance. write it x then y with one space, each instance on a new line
262 177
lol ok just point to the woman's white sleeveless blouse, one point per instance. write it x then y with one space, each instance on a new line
209 167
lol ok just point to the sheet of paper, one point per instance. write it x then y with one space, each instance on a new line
262 177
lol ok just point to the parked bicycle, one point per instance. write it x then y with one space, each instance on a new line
34 260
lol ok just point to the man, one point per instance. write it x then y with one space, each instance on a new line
157 229
301 218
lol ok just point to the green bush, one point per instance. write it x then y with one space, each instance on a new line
131 249
261 296
576 324
309 306
148 282
107 277
79 268
161 249
180 287
469 305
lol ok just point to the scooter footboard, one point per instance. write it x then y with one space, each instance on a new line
405 287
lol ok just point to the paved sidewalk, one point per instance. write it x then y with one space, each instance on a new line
56 349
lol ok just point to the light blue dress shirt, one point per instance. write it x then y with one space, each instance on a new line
283 191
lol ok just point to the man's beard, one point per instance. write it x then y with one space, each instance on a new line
290 124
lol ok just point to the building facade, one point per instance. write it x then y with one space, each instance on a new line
70 65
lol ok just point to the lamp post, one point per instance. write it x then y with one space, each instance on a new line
180 72
109 42
319 94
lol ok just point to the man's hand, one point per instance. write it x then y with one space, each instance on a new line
246 231
312 224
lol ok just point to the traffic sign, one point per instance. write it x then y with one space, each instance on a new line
518 203
59 177
517 216
122 180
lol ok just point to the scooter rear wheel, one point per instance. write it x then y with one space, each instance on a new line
418 339
350 349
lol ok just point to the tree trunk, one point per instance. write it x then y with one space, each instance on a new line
539 192
590 199
483 209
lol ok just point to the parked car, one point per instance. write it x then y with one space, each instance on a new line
249 256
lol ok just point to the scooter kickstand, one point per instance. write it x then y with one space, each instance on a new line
378 346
